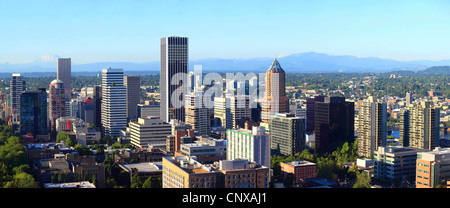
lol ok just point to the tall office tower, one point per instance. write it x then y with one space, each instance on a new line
275 99
310 111
287 134
174 66
114 102
432 168
133 84
64 73
334 123
372 127
151 132
57 101
197 112
232 110
253 145
33 111
421 122
98 105
17 86
409 99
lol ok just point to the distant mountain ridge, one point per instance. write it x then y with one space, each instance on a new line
294 63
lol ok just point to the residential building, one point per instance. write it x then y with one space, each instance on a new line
419 126
197 113
371 127
17 86
57 101
253 145
114 102
287 134
174 69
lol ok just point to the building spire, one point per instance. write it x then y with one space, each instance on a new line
275 67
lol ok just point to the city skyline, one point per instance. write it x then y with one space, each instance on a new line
104 31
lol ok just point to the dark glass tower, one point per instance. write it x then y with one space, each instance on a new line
174 67
33 111
334 123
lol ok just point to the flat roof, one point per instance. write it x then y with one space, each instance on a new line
300 163
145 167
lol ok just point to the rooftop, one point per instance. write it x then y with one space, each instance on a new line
300 163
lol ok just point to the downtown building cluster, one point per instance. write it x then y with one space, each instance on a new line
191 139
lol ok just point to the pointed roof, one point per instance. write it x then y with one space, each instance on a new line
275 67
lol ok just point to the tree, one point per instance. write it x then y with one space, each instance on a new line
136 181
362 180
22 180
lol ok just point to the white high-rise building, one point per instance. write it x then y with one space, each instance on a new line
253 145
114 102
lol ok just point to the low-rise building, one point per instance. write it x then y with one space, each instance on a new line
396 163
302 170
433 168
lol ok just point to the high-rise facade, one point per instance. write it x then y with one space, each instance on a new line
275 99
114 102
232 110
174 69
64 73
334 123
371 126
253 145
133 85
17 86
310 111
98 105
287 134
197 112
33 110
409 99
420 126
57 101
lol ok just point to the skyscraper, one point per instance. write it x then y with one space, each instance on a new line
98 105
63 73
287 134
310 111
420 126
57 101
334 123
174 67
372 127
232 110
114 102
17 85
33 110
275 99
133 85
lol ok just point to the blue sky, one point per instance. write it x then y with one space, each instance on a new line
95 31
